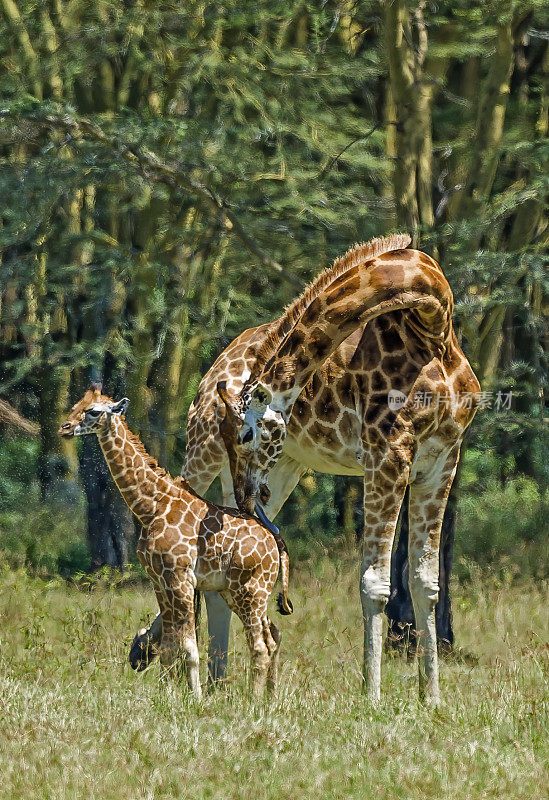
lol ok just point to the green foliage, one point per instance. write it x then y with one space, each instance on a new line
279 114
503 528
309 518
18 467
45 540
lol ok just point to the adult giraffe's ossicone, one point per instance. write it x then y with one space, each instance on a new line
341 422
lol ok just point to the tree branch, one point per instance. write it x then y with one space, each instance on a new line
13 16
333 160
10 416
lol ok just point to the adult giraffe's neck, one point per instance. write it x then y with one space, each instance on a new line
139 483
404 279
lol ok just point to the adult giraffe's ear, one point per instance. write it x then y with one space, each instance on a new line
228 399
120 406
261 397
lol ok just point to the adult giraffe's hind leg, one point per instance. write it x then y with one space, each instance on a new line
428 497
385 480
219 613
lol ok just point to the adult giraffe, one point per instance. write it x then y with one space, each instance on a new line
311 391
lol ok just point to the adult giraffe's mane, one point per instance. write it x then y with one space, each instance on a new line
358 254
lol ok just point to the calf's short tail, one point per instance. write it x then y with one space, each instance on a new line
283 603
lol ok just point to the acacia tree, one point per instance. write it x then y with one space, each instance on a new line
146 197
178 171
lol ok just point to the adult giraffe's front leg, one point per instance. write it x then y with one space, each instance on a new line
428 497
385 480
219 614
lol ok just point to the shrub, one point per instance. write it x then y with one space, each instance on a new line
503 527
44 540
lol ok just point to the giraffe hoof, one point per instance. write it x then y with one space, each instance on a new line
142 651
284 605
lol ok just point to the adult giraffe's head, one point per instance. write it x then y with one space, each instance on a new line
253 433
92 413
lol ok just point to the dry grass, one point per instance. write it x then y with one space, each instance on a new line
76 722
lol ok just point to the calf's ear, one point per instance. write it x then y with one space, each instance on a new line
120 406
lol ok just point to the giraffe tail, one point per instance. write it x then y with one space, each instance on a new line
283 602
197 609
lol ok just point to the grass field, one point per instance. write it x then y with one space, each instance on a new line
76 722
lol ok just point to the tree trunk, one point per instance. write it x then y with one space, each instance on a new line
414 76
109 521
53 460
489 128
401 72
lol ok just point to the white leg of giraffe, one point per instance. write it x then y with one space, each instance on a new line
385 482
219 614
428 497
272 674
227 487
219 626
282 481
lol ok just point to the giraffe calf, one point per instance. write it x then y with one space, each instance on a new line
187 543
217 551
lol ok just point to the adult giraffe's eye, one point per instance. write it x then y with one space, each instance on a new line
248 436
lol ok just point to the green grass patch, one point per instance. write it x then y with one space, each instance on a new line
76 722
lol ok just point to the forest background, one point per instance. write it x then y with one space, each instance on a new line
173 173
